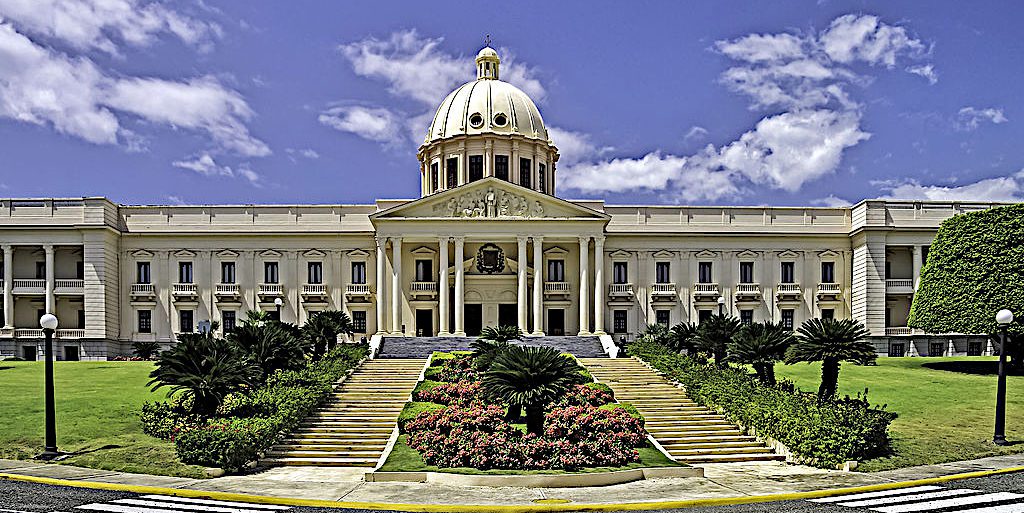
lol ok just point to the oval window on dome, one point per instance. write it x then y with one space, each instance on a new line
476 120
500 120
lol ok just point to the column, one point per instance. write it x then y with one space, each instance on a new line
522 290
442 288
48 249
8 285
460 287
538 286
381 285
917 265
598 286
584 305
396 285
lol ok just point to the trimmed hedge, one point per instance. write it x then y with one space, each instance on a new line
412 410
825 434
247 424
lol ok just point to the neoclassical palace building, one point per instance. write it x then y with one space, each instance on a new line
488 242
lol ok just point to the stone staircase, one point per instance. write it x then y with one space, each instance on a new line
352 428
689 432
422 347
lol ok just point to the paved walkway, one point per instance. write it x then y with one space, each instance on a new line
332 483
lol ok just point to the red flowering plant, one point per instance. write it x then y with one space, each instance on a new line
460 392
584 395
459 368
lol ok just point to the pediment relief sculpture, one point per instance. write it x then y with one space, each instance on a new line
490 203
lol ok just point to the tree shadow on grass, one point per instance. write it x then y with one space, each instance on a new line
980 368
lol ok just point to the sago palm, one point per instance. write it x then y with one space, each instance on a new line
322 329
530 378
204 368
831 341
714 334
682 337
501 333
271 347
761 344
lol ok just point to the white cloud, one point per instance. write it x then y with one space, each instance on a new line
763 47
574 147
373 123
206 165
970 118
103 24
308 153
73 95
925 70
1006 188
695 133
652 172
831 201
864 38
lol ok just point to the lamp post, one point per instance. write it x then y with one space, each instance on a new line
278 302
1003 319
49 324
721 305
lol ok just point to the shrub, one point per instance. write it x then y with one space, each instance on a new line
163 419
270 346
145 349
204 368
827 433
459 368
461 392
531 378
226 443
626 407
591 394
584 436
412 410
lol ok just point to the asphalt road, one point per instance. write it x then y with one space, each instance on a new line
996 494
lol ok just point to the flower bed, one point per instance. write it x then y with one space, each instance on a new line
452 424
825 434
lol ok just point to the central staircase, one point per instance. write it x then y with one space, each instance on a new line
690 433
352 428
422 347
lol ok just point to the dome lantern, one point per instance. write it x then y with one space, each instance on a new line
487 63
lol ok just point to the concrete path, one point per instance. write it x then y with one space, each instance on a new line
333 483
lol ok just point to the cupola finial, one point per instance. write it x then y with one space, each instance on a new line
487 62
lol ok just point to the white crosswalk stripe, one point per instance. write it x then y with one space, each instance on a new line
924 499
169 504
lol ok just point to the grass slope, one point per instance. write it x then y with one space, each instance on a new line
406 459
98 407
943 415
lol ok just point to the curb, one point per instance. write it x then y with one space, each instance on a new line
441 508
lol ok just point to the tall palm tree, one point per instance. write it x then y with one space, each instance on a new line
270 347
322 329
682 337
714 334
657 333
501 333
831 341
531 378
257 317
205 368
761 344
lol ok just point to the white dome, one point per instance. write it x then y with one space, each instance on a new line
487 106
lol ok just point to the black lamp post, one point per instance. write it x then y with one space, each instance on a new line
278 302
49 324
1003 318
721 305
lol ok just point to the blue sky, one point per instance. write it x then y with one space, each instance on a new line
788 103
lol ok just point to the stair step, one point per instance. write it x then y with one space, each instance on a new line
729 458
339 437
713 444
306 453
719 450
321 462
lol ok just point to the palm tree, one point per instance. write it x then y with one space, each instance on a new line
204 368
682 337
145 349
492 341
831 341
501 333
714 334
270 347
322 329
531 378
761 345
657 333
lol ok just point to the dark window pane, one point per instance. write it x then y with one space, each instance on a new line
787 319
704 272
525 172
476 167
620 273
501 167
746 272
787 272
359 321
747 316
663 271
542 185
452 173
662 317
619 325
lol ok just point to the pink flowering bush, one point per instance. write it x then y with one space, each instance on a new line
460 392
459 368
585 395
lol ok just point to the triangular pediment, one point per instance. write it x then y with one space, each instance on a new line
789 254
555 251
828 253
620 254
227 253
358 253
747 254
269 253
141 253
490 199
705 254
184 253
662 254
314 253
424 250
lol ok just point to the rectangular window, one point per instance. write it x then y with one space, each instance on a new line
888 270
359 273
359 321
79 270
525 172
936 349
897 350
41 270
703 315
424 270
81 319
314 273
501 167
620 273
556 270
974 349
662 271
746 272
888 317
476 167
542 184
227 272
828 272
828 313
229 320
184 272
185 321
704 272
663 317
142 272
788 273
619 324
746 317
270 272
433 177
452 173
787 319
145 321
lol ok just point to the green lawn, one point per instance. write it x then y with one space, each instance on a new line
406 459
97 416
943 415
